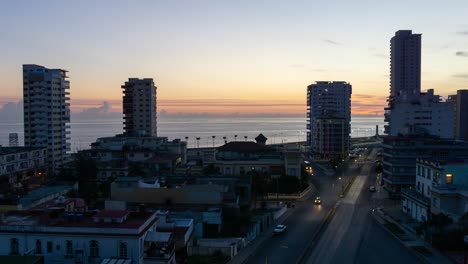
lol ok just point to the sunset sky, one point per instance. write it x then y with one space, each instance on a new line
229 56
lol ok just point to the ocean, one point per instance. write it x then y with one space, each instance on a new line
276 129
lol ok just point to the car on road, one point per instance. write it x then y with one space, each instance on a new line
279 229
378 161
372 188
317 200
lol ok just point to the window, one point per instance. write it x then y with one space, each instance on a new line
123 250
69 247
93 248
14 246
38 249
449 178
49 246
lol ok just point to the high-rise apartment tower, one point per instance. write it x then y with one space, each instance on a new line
139 107
47 112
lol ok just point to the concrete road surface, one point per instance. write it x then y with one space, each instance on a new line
353 237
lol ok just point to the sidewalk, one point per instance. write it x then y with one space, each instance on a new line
246 252
421 249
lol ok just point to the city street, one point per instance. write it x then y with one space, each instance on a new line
353 237
303 223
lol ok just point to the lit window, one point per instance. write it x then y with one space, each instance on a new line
449 178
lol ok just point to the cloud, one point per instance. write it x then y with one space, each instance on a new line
461 75
329 41
96 112
297 66
464 32
364 104
12 112
461 53
380 55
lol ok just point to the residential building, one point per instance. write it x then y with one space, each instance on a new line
331 137
440 188
426 113
47 112
400 154
62 236
241 157
328 100
409 110
21 163
139 107
121 155
405 65
461 109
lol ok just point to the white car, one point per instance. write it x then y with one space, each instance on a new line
279 229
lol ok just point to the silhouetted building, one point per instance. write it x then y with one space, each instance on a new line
409 110
332 101
405 64
400 154
426 113
139 107
461 121
47 112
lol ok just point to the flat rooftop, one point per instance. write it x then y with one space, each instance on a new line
82 223
13 150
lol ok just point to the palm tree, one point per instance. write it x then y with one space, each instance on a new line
213 137
235 137
245 137
186 140
198 142
225 141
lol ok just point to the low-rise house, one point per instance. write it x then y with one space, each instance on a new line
124 155
440 187
60 237
135 190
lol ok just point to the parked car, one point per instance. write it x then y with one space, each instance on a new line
372 188
279 229
318 200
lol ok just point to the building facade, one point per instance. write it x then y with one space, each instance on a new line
71 237
426 113
441 187
400 154
47 112
461 123
20 163
405 64
119 155
139 107
332 101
